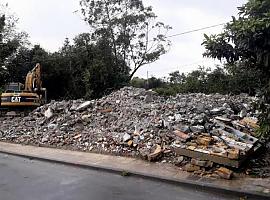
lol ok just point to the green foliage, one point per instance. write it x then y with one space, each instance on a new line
130 29
138 82
168 90
82 70
1 90
150 83
231 79
264 106
246 41
10 41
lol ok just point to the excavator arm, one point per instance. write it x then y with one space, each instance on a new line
33 81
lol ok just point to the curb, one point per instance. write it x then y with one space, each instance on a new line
183 183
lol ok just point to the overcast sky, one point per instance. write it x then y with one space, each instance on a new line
49 22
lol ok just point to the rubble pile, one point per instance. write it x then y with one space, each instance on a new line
139 123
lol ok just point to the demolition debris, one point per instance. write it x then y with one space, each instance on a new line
135 122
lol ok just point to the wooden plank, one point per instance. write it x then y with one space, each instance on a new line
215 158
204 156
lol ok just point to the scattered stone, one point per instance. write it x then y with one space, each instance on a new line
223 119
224 173
130 142
197 129
185 129
106 110
233 154
191 168
77 136
11 114
52 126
48 113
45 139
135 122
179 160
126 137
181 135
204 140
216 111
156 154
84 106
251 122
243 113
201 163
86 118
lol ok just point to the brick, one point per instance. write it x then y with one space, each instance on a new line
224 173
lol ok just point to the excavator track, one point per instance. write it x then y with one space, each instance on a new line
8 113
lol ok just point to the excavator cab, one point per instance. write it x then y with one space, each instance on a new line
14 87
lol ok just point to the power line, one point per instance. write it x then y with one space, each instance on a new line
195 30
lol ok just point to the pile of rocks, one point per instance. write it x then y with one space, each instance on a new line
136 122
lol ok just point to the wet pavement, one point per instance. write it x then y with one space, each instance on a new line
22 178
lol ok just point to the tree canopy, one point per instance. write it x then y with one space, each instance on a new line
246 38
130 28
10 40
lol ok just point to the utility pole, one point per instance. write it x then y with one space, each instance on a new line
147 80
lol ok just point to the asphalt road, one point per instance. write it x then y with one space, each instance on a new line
25 179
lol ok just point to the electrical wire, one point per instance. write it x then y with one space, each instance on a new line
195 30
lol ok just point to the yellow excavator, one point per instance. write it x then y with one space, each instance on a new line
17 96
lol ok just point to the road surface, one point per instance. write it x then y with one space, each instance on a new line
25 179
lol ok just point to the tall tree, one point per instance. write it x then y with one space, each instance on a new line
10 40
246 40
130 28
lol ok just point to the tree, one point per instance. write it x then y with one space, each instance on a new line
10 40
246 40
176 77
130 28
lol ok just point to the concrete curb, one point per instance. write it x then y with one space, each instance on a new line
185 183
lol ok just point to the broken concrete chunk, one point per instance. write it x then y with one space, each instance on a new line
155 155
197 129
77 136
216 111
191 168
48 113
148 98
109 126
84 106
223 119
201 163
11 114
181 135
106 110
233 154
86 118
179 160
126 137
130 142
144 153
45 139
184 128
252 122
224 173
243 113
192 148
204 140
52 126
